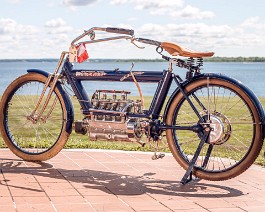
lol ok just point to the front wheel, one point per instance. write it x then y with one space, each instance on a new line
28 139
236 136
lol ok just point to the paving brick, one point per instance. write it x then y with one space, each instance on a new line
6 201
4 192
67 200
41 200
74 207
59 189
35 207
7 208
29 190
227 210
214 203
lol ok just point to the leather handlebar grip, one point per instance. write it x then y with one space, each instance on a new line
120 31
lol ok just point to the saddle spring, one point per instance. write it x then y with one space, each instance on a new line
194 68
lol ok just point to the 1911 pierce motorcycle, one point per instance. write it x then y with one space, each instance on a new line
213 124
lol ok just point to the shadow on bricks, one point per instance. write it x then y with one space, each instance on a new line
113 183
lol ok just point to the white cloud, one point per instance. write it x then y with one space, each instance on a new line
77 3
5 39
187 12
254 22
27 41
192 12
249 22
222 39
60 30
55 23
200 36
190 30
9 26
16 39
55 36
125 26
154 4
150 4
151 30
118 2
57 26
172 8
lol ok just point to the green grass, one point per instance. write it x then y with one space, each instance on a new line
82 141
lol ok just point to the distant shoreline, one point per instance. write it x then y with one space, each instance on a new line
212 59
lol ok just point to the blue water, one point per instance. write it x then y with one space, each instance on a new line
250 74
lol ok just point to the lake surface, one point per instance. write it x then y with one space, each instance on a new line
250 74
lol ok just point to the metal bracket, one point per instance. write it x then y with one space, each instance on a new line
140 47
188 175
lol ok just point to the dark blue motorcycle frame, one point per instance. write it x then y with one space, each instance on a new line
75 78
164 80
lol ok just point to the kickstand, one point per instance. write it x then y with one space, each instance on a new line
188 175
184 181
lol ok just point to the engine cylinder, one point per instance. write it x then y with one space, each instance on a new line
113 125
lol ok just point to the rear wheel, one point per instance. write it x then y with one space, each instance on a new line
29 139
236 137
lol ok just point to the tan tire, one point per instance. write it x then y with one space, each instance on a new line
28 140
237 132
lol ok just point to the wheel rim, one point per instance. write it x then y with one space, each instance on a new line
234 120
28 136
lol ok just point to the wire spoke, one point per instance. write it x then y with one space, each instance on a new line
27 135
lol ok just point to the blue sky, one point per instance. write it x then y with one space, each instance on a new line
42 29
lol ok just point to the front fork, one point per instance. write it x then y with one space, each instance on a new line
36 117
52 81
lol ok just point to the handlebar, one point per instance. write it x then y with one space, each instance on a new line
148 41
120 31
128 34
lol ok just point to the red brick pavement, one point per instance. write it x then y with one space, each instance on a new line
102 180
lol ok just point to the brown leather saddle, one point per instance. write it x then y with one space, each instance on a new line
177 50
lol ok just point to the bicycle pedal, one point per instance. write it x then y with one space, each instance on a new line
159 156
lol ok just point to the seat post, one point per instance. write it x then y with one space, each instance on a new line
170 69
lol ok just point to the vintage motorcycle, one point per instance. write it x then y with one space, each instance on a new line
213 124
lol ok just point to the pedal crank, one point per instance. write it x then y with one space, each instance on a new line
157 148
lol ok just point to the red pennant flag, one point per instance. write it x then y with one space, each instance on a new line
82 54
